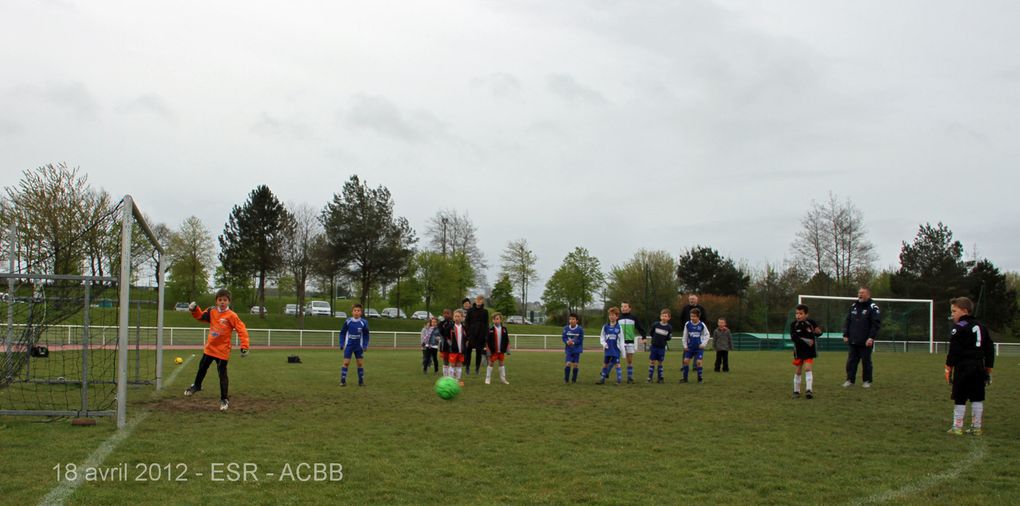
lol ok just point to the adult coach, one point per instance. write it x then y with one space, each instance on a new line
859 333
692 303
477 324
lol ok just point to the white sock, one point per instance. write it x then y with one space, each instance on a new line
488 373
977 411
446 370
796 383
502 371
958 411
459 370
809 379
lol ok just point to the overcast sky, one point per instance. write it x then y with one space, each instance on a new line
606 124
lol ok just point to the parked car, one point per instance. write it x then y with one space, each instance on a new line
318 308
372 313
518 319
290 309
421 315
181 306
258 310
392 312
340 314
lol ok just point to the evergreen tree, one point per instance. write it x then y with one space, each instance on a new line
252 241
368 242
703 270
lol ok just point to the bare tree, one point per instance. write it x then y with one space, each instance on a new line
450 233
834 241
59 218
301 226
811 244
519 264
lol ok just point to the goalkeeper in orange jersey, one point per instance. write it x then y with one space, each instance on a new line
223 322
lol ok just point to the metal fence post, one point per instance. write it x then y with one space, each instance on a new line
301 338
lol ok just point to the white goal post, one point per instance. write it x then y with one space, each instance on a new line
929 302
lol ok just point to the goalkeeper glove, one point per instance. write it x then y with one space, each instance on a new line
949 374
244 352
192 306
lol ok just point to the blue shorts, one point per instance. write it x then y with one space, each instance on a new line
698 354
611 360
353 349
657 354
573 357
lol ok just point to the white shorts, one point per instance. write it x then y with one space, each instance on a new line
628 348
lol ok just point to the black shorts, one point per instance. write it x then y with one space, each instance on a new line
969 381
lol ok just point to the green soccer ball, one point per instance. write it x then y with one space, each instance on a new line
447 388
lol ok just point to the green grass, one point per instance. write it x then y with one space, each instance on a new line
738 438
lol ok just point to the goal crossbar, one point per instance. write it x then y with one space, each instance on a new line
930 302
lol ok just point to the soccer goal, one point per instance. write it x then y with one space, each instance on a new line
84 314
904 321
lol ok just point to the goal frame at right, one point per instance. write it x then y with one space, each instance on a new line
930 302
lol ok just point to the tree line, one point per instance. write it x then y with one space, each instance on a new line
356 246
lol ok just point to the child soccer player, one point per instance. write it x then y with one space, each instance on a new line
222 323
458 344
612 342
573 339
497 341
445 326
803 332
429 345
354 341
630 328
662 332
696 336
968 365
722 341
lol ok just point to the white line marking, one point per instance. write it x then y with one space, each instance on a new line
62 491
977 453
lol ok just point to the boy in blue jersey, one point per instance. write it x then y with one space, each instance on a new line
354 341
661 333
612 341
573 339
696 337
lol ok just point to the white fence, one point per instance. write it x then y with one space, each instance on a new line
194 337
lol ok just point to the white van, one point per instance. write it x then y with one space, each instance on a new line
318 308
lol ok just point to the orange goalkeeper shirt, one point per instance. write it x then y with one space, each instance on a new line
222 325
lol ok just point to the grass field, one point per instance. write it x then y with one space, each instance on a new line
738 438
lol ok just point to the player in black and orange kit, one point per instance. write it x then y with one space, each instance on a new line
968 366
804 333
223 322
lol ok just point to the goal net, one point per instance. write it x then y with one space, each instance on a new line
907 324
80 318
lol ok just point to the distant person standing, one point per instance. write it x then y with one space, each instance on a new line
723 343
477 324
692 303
859 333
